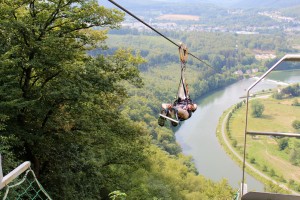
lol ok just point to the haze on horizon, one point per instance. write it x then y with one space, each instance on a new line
221 3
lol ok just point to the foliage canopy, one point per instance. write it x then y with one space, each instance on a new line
257 108
59 106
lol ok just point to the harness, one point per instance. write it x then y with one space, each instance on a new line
182 98
182 94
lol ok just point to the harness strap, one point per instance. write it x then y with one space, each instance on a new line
183 55
183 83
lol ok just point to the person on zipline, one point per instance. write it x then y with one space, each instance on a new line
181 109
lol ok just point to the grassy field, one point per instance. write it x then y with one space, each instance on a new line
263 151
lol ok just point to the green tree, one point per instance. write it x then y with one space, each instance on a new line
277 95
292 90
283 144
63 106
257 108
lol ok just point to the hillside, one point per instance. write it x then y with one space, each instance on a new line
258 4
242 17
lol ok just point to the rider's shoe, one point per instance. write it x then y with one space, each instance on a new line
161 120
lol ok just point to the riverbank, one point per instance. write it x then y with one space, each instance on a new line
230 146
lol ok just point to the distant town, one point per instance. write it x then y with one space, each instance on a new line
174 22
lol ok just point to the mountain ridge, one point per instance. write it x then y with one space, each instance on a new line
222 3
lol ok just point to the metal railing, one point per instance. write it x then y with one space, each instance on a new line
13 174
288 57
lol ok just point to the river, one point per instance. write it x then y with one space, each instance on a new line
197 136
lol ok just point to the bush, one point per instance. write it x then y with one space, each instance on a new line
252 161
272 173
281 179
265 168
234 143
296 124
283 144
257 109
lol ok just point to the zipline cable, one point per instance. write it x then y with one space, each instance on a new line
162 35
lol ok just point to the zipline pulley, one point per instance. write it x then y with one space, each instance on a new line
183 53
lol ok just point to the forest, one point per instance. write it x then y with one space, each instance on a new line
80 100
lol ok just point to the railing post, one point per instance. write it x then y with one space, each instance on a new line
245 189
1 173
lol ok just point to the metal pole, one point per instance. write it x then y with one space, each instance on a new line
297 135
1 172
245 139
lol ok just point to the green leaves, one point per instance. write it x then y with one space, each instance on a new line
3 118
257 109
117 195
62 106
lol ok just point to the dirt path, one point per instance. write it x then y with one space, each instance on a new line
292 171
246 163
